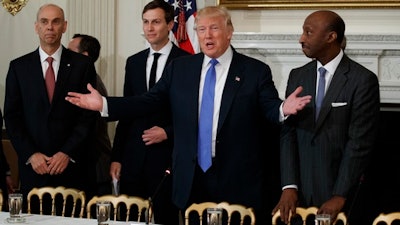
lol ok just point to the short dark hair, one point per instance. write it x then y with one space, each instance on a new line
337 24
165 6
89 44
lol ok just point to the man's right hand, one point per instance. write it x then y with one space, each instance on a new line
92 101
115 170
287 204
38 162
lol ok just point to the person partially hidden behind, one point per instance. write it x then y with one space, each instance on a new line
326 147
219 99
142 147
100 155
6 183
51 136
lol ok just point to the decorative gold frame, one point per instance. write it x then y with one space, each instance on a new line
14 6
307 4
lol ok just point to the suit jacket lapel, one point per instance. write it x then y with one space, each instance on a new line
142 70
194 84
172 54
38 76
233 81
336 86
63 74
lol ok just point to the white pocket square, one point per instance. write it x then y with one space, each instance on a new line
338 104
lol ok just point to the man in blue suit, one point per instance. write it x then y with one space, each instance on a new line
245 96
50 137
325 148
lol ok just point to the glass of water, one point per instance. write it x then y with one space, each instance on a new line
322 219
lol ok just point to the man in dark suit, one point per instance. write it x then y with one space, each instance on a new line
142 148
100 151
244 97
323 155
49 135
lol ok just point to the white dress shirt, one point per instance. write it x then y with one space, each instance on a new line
56 60
162 61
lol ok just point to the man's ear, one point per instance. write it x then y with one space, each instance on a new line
332 36
85 53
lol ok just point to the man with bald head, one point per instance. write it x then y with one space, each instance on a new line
325 148
49 135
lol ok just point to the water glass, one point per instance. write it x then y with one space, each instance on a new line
214 216
322 219
103 209
15 207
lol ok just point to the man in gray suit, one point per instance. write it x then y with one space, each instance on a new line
323 155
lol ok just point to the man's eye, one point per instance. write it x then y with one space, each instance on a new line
214 28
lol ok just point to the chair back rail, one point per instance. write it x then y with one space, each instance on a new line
129 201
386 218
305 212
66 193
230 209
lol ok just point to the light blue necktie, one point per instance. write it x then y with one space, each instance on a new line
321 91
206 118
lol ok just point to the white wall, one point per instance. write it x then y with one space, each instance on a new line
358 21
18 36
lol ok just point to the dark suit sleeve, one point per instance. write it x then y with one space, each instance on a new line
288 146
14 116
362 132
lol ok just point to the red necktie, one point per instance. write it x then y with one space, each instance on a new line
50 79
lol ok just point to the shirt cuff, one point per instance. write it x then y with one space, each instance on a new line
104 111
290 186
282 117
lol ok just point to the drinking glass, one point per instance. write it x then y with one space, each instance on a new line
103 212
15 208
322 219
214 216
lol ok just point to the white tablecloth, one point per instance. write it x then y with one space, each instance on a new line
57 220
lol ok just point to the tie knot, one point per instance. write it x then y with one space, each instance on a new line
50 60
322 71
156 55
213 62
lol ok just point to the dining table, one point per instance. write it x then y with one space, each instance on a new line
58 220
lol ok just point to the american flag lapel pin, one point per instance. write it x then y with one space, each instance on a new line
237 78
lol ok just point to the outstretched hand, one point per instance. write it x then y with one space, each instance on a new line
294 104
92 101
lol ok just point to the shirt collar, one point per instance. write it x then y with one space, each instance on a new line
56 55
333 64
223 59
164 50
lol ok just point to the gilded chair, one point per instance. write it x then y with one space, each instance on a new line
130 202
386 218
78 200
243 212
304 213
198 208
230 209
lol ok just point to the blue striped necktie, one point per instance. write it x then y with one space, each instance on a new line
321 91
206 118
